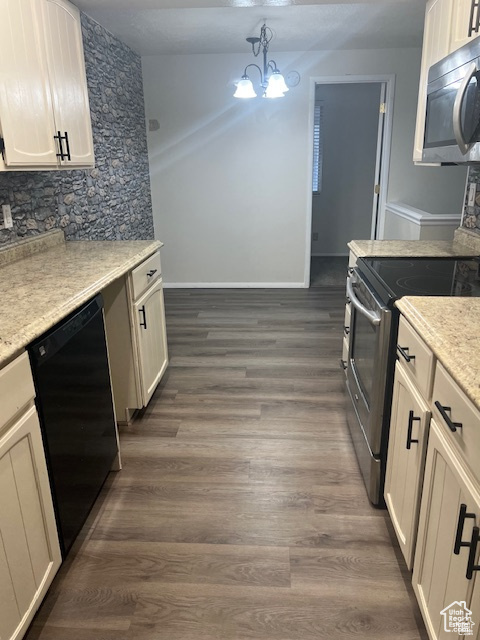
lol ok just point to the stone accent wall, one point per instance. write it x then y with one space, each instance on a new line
111 201
471 218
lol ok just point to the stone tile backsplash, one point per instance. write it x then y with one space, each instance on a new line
111 201
471 218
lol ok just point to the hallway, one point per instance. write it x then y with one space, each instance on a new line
240 512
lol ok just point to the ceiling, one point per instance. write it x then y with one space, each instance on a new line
155 27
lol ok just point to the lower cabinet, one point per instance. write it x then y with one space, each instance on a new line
447 539
152 339
136 336
29 548
406 457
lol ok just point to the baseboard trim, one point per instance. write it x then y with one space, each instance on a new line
234 285
329 255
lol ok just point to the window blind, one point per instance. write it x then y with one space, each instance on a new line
317 146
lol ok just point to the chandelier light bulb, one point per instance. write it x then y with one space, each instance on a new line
278 81
245 89
273 90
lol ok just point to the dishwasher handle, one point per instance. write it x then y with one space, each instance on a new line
372 316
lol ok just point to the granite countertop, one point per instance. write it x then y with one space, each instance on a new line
39 288
450 327
465 243
410 248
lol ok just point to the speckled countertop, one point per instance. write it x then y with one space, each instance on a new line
410 248
465 243
38 289
451 328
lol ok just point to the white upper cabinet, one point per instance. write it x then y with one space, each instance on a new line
44 111
436 45
461 19
66 69
26 116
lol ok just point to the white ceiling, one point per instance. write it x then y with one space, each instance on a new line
154 27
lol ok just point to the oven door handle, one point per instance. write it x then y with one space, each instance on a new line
457 109
373 317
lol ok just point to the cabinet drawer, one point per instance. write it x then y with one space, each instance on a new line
16 388
421 363
457 409
145 274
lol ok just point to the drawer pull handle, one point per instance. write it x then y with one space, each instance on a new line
151 273
453 426
411 419
461 521
346 330
144 323
403 352
471 566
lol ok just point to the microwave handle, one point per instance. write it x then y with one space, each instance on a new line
373 317
457 109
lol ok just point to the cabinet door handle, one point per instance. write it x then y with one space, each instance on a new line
346 330
67 155
462 515
471 566
59 137
453 426
474 27
63 155
151 273
411 419
403 351
343 364
142 311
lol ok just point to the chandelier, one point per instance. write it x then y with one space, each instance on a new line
271 80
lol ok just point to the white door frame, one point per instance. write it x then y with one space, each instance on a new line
389 80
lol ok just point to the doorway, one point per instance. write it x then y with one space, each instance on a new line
351 136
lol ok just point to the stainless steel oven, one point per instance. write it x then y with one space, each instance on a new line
373 286
370 335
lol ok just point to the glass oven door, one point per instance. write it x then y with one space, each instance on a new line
368 359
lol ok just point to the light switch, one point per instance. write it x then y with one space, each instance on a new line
7 216
472 192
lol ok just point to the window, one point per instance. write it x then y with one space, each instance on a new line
318 146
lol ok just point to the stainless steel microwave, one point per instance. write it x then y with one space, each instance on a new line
452 124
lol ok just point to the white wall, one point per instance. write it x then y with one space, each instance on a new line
343 208
230 178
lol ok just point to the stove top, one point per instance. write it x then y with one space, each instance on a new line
394 278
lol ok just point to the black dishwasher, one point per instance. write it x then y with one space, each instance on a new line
74 402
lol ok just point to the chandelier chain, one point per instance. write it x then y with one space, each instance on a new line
266 36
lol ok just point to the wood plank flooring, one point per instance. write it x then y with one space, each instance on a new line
240 513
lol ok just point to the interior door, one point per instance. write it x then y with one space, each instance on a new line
378 161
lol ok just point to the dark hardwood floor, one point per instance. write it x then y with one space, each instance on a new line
240 512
